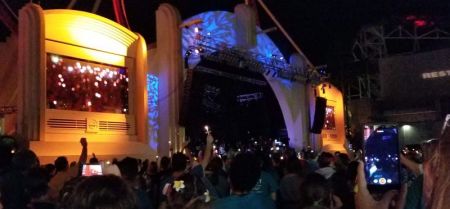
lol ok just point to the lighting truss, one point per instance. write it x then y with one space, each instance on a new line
205 47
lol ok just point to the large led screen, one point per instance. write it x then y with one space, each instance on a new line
80 85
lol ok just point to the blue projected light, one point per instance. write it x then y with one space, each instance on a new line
220 26
153 126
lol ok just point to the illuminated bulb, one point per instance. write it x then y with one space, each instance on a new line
206 128
107 69
55 59
96 84
277 148
98 78
105 82
196 29
91 71
108 162
78 65
63 85
13 151
73 89
55 102
111 74
61 79
281 58
98 95
281 158
89 103
70 68
59 76
115 72
59 83
114 84
196 51
157 156
170 142
124 109
208 34
126 79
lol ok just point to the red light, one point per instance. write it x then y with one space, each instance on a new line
420 23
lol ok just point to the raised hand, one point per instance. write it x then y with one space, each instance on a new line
83 142
364 199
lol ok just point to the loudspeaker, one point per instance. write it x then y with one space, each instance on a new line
319 115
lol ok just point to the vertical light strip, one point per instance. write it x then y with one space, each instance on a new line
153 113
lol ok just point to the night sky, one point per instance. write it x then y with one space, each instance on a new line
324 29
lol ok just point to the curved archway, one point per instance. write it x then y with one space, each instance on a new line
221 27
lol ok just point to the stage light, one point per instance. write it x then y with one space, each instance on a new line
55 59
406 127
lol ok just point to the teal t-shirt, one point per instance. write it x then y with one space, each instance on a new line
249 201
265 185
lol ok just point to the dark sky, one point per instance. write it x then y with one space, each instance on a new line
324 29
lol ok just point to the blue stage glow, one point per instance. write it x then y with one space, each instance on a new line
153 126
220 26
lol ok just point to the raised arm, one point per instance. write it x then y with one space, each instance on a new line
208 150
83 155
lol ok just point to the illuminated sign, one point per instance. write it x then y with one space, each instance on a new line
436 74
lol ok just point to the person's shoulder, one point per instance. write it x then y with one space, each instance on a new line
227 203
259 201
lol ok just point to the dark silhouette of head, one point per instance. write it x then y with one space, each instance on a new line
325 159
244 172
61 164
179 162
129 168
164 164
191 196
102 192
316 191
294 166
24 160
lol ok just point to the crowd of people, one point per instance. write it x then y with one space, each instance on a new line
250 179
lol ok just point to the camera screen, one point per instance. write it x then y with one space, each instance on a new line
382 163
92 170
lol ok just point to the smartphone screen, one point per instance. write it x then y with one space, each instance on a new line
91 170
382 159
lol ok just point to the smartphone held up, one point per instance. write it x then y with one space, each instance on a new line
382 159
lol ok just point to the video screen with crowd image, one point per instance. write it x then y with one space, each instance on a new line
80 85
330 122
